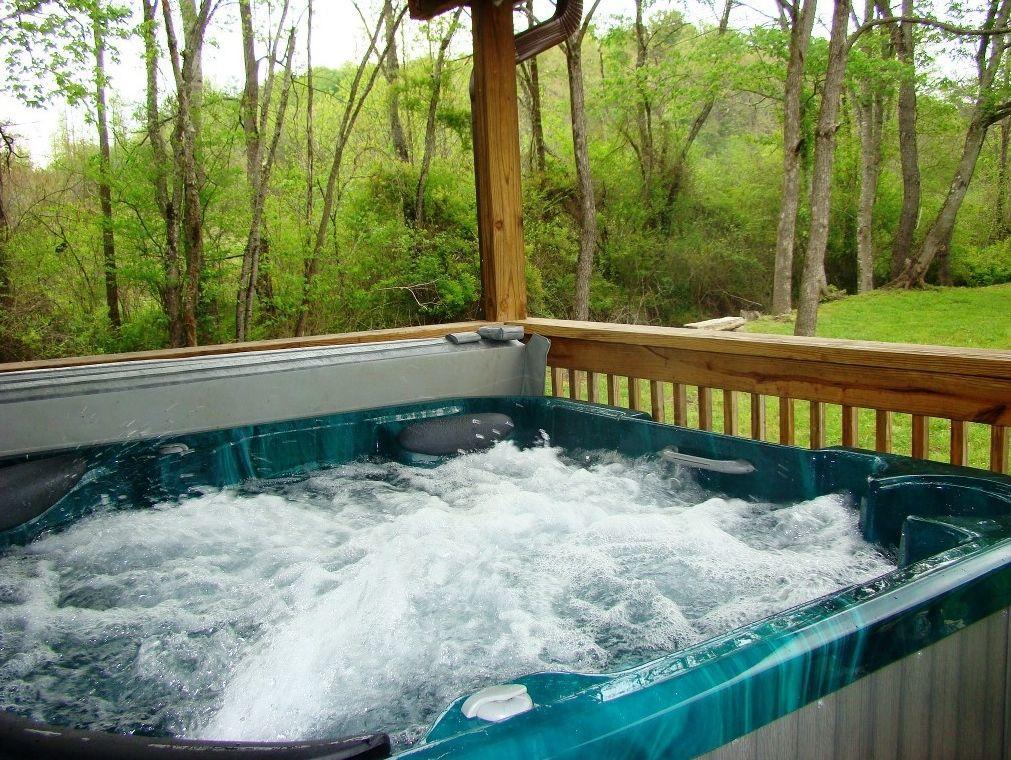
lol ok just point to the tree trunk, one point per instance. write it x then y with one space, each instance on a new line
391 70
909 153
587 200
676 173
170 291
539 151
6 293
430 123
793 148
869 106
188 73
812 281
361 87
938 237
1000 225
254 119
104 186
985 112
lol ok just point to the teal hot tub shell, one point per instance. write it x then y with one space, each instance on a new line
949 529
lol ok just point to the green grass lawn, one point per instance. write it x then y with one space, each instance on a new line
969 317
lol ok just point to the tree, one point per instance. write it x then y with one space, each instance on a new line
909 153
821 174
990 104
799 22
433 108
361 85
260 157
869 97
391 70
187 72
573 48
531 78
104 181
166 202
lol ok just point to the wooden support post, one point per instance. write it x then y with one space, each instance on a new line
921 437
959 450
850 426
705 408
883 430
680 408
497 163
656 400
786 421
730 416
817 425
635 394
573 384
999 448
758 416
593 387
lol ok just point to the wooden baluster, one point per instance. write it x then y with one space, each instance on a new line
556 381
573 385
883 430
817 425
850 426
656 399
612 389
786 421
680 405
959 452
999 448
705 408
593 387
634 394
758 416
921 436
730 418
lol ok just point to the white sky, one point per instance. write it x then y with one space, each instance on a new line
338 36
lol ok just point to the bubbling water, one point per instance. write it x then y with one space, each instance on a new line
368 596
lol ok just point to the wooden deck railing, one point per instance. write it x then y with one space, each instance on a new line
933 402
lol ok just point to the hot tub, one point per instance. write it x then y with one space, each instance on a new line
832 675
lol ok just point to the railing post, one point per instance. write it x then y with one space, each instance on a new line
497 163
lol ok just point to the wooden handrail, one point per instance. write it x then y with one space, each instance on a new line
336 339
954 384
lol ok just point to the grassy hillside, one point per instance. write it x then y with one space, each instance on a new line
976 317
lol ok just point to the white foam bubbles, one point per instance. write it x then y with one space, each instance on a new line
368 596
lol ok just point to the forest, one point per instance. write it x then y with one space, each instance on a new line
679 163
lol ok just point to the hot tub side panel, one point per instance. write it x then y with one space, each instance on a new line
948 700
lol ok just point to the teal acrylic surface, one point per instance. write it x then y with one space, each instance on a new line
949 529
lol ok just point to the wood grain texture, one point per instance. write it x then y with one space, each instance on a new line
731 424
680 404
850 426
337 339
999 449
656 400
758 417
705 408
928 393
921 437
495 117
593 388
634 394
958 452
883 431
817 425
557 384
855 353
787 429
573 384
612 390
